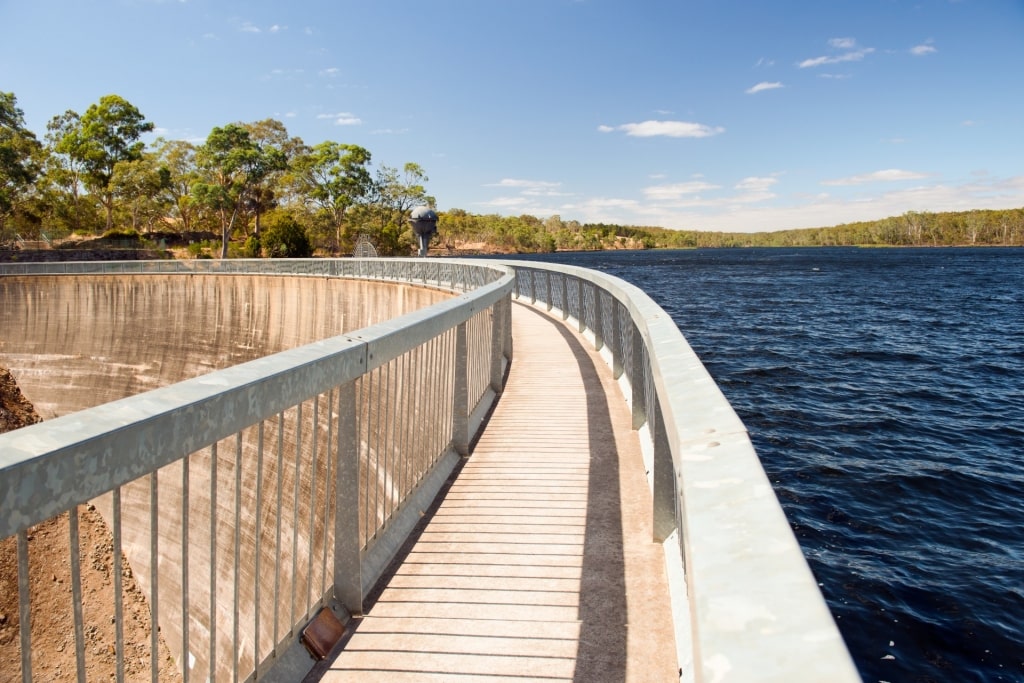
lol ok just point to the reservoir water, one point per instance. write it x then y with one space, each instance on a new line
884 392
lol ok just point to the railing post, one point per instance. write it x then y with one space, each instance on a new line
507 324
598 319
565 296
638 381
548 304
616 344
581 307
460 395
664 478
348 581
498 332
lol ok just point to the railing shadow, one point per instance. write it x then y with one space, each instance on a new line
602 609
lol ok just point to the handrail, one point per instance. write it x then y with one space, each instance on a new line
746 605
745 602
324 403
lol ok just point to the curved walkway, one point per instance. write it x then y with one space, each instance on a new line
537 562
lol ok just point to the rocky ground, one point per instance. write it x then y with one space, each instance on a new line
53 634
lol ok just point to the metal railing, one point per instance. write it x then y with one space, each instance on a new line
249 498
746 606
405 395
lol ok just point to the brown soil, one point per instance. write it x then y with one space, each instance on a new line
53 630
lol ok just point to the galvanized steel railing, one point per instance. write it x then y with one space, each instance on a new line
406 395
746 605
244 482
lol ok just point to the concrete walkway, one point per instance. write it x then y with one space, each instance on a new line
538 563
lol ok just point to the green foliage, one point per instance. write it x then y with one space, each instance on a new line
283 237
121 234
201 249
95 142
252 248
19 155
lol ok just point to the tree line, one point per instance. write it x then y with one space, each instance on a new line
259 189
261 192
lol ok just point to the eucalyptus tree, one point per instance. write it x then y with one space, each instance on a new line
394 195
332 178
232 165
106 134
19 156
177 163
271 139
139 186
63 181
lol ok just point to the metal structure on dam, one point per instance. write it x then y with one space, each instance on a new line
261 436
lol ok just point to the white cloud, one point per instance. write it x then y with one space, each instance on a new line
671 129
764 85
852 54
277 28
342 118
921 50
677 191
249 27
756 184
332 71
526 185
884 176
389 131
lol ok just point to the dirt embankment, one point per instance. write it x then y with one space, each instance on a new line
53 630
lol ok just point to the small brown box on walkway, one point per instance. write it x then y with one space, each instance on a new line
322 633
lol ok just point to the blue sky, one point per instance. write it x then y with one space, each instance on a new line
690 114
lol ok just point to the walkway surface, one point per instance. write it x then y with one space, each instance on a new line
538 562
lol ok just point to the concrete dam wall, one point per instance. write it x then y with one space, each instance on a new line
77 341
73 342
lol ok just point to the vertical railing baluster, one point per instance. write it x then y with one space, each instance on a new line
212 672
387 430
663 477
185 658
616 345
563 281
295 517
154 574
76 593
581 315
277 533
638 396
313 482
460 394
238 550
497 344
258 574
118 594
24 608
348 589
328 461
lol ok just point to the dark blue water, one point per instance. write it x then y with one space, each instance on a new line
884 392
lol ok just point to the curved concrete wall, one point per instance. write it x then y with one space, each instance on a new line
77 341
